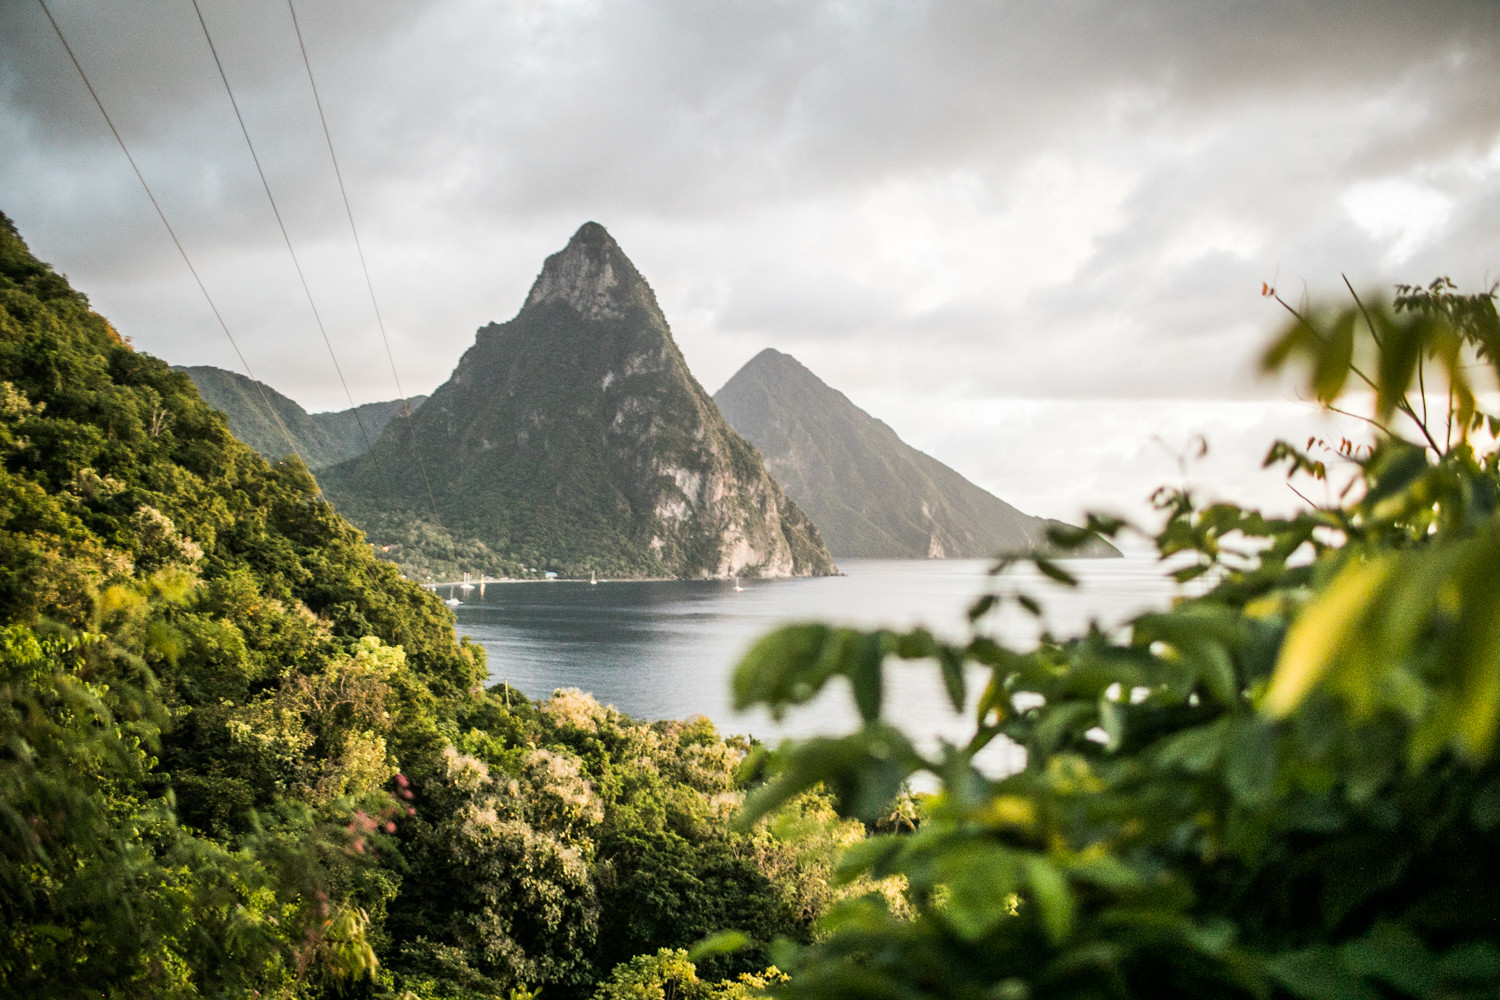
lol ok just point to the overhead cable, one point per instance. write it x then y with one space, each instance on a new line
172 233
358 246
282 225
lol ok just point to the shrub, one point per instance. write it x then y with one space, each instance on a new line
1285 785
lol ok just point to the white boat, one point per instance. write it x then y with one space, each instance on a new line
453 602
737 587
466 585
591 577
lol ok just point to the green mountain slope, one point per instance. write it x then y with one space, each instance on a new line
871 494
321 439
160 583
241 757
574 438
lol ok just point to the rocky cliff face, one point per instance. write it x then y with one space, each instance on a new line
873 495
574 437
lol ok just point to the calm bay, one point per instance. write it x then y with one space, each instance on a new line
667 649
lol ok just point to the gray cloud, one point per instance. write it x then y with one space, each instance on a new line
932 200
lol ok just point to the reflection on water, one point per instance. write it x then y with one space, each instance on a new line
668 649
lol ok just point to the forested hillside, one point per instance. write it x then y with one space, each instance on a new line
242 757
321 439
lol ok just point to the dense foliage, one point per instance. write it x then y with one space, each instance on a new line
276 426
240 756
1285 785
429 551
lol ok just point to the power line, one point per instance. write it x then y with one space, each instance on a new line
358 246
171 232
282 225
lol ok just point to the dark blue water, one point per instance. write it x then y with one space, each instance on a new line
667 649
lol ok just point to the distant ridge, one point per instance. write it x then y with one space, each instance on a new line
322 439
574 439
871 494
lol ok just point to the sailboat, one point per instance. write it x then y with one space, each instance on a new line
466 586
737 587
592 580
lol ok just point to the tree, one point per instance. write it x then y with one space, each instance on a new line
670 974
1285 785
238 753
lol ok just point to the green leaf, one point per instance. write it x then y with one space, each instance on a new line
1318 974
1479 640
1202 638
1394 468
1393 954
1053 897
1322 631
1485 811
918 644
1195 750
1297 338
979 875
952 665
864 770
1475 962
1059 721
1216 671
785 953
1067 536
874 855
1190 573
1056 572
1331 367
1107 871
722 943
785 667
1251 762
1112 721
1401 347
864 658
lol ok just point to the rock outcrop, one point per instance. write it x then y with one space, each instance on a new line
574 438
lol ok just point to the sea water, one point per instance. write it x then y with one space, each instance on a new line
668 649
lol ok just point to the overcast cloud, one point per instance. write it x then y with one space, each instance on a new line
1028 235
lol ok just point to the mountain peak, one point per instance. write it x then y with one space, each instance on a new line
574 437
591 274
872 494
779 363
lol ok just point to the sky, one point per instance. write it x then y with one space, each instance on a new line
1030 236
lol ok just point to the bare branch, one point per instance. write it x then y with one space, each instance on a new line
1300 494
